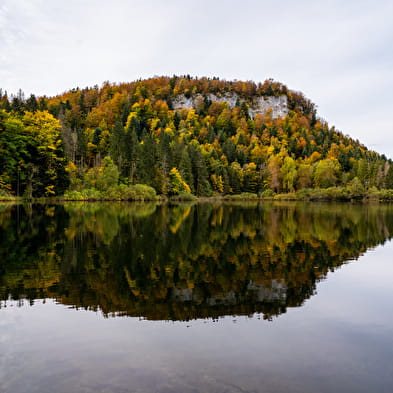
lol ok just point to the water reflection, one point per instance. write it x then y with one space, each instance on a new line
181 262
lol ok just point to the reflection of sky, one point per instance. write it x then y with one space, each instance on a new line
340 340
338 53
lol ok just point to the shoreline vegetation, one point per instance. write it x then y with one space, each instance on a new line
144 193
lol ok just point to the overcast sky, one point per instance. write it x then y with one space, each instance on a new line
338 53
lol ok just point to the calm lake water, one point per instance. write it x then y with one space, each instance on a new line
237 297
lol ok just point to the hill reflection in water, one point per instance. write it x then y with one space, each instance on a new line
183 261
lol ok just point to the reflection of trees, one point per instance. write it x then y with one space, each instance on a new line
182 261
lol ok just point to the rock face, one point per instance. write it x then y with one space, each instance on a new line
259 105
279 106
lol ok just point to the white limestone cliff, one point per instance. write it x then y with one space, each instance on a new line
259 105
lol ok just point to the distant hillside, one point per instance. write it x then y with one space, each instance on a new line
179 135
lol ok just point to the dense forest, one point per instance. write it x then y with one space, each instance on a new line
102 141
202 260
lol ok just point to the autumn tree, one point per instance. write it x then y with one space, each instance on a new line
326 173
288 174
176 183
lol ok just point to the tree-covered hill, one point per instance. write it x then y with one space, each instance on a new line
179 135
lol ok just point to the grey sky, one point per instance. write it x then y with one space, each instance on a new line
338 53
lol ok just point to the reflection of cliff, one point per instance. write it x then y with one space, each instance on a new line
184 261
259 293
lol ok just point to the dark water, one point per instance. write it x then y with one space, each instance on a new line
196 298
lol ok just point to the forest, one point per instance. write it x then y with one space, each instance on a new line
134 141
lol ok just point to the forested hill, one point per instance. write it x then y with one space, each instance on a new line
178 135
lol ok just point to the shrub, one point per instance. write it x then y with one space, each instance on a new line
137 192
267 193
303 194
291 196
73 196
142 192
242 196
183 196
385 195
112 194
91 194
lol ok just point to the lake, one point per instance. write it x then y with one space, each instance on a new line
196 297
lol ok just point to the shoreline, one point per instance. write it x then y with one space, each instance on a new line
216 198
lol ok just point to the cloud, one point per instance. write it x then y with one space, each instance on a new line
337 53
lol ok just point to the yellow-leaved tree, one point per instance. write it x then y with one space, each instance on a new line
176 183
45 174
